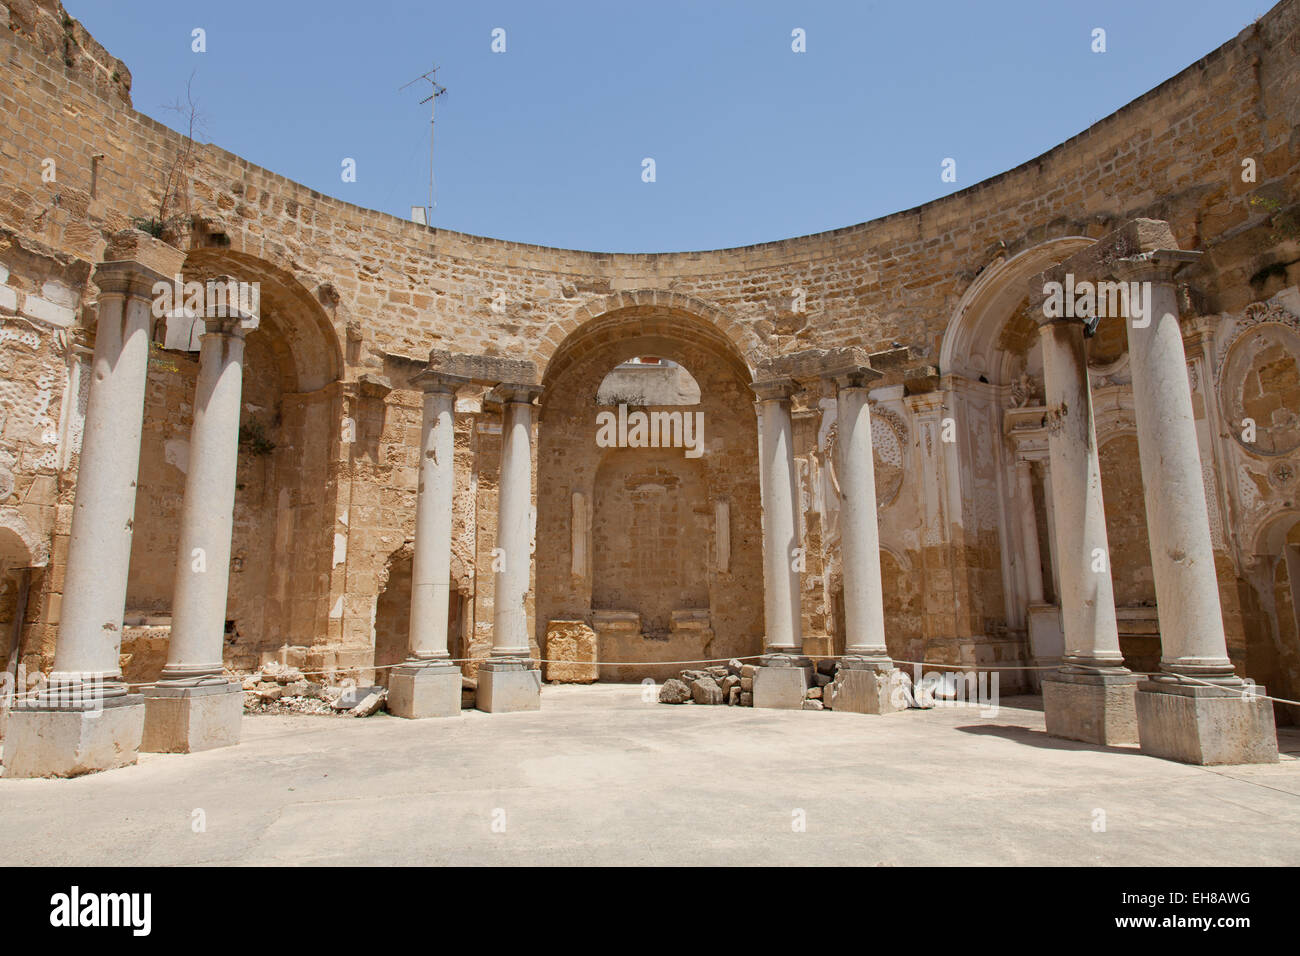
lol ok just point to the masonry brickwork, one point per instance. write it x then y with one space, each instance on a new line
353 301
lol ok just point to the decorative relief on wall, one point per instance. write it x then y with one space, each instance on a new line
1258 378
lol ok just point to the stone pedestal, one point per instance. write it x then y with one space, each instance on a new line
866 688
65 742
506 685
571 652
781 682
417 690
182 720
1203 725
1093 708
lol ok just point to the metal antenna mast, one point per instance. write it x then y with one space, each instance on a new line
431 99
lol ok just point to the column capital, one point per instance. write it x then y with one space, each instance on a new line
775 389
434 380
128 278
1158 265
851 376
514 393
232 326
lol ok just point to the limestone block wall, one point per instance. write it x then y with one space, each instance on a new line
355 300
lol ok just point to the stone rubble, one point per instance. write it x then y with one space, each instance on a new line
280 689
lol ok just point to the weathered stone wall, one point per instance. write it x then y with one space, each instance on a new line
353 301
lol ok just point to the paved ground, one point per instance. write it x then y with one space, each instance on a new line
600 777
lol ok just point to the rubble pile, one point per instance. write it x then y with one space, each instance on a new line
283 689
733 684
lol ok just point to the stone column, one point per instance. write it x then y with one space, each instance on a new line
428 684
193 706
1091 697
781 680
509 682
1183 720
866 680
86 720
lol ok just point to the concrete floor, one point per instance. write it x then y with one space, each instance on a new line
600 777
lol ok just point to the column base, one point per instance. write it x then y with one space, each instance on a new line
508 685
424 689
864 686
193 717
65 742
1093 708
1192 723
781 681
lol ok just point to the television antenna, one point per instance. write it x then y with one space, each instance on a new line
437 90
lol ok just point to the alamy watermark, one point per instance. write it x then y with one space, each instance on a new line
640 429
1098 300
214 299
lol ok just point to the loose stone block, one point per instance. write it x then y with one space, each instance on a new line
674 692
780 688
866 691
416 691
1093 708
68 743
182 720
1204 725
571 653
706 691
508 686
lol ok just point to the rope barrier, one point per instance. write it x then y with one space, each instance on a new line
725 660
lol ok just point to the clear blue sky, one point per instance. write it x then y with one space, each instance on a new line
752 142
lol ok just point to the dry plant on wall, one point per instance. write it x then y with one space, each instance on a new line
175 194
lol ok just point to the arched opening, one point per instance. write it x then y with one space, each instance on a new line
23 557
648 505
992 359
393 613
648 380
282 549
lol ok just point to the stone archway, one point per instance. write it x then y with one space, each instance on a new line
604 555
283 539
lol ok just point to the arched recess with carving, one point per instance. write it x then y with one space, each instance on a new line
991 364
599 503
283 542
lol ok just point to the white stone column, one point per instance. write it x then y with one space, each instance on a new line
1087 597
428 684
781 607
99 551
431 562
866 681
207 515
509 682
1183 719
864 601
1091 697
1182 559
85 719
193 706
782 679
1029 551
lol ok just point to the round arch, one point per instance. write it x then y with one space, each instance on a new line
301 333
20 546
971 343
675 316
